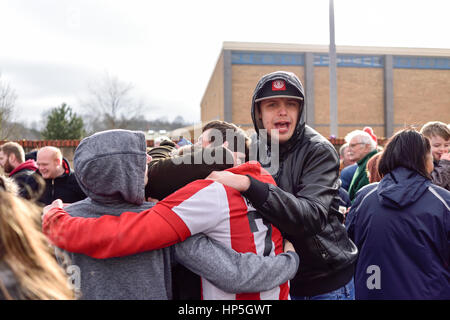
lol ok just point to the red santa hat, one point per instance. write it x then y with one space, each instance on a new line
369 130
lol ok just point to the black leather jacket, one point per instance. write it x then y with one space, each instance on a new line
304 205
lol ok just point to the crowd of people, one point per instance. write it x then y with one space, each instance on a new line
279 215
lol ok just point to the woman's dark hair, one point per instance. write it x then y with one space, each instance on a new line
407 148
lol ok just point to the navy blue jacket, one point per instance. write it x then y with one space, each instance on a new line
347 176
345 199
401 226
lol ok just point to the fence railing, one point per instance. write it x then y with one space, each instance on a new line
36 144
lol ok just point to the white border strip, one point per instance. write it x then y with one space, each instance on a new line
439 197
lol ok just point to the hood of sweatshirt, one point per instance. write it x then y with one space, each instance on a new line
110 166
401 187
292 79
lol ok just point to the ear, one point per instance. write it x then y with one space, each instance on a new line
12 158
258 109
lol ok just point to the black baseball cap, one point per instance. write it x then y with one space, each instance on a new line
278 88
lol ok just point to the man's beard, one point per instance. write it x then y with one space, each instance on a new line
8 168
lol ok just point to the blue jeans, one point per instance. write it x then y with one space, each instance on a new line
346 292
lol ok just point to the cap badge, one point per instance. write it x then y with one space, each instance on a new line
278 85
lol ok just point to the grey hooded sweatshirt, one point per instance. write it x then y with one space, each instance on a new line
110 168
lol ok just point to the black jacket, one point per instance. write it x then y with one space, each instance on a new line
64 187
167 174
27 179
305 203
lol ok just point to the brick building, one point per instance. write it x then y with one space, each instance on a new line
385 88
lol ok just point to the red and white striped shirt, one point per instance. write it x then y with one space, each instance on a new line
223 214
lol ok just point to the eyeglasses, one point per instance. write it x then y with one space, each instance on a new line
355 144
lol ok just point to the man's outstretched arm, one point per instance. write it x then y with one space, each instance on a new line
305 211
193 209
113 236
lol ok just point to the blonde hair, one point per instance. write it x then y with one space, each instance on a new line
436 128
54 151
25 250
8 184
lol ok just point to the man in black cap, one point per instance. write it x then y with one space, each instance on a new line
304 204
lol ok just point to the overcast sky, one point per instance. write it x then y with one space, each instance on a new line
51 50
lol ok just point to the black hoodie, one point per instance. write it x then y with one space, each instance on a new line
304 204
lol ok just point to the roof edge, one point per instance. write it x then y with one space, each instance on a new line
291 47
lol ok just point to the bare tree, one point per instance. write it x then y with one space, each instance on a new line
8 98
112 104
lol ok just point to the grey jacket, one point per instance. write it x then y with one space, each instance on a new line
110 167
441 174
9 286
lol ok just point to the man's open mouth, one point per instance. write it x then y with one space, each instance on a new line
282 126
